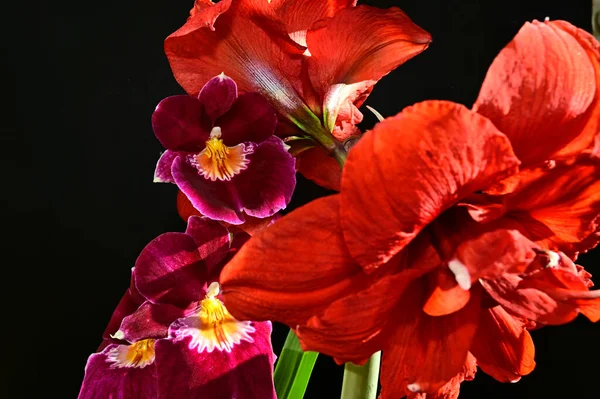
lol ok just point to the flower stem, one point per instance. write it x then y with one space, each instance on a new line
360 382
293 369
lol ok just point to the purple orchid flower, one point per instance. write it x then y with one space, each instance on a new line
222 154
180 341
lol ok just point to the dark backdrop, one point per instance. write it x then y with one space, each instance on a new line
82 202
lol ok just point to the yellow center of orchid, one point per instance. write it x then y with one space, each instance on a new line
139 354
218 161
218 328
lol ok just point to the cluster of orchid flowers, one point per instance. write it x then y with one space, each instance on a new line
454 231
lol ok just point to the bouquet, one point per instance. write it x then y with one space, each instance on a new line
450 232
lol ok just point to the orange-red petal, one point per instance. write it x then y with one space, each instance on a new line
444 296
299 15
294 269
426 352
565 199
355 48
317 165
538 91
356 326
503 347
401 175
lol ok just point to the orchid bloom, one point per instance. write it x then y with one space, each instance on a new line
222 154
449 238
316 61
181 341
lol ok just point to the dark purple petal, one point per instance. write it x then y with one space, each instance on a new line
162 173
217 95
169 270
251 118
244 373
212 239
102 381
128 304
216 200
267 185
180 123
149 321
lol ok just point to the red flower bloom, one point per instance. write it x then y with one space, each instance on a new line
443 246
316 61
171 336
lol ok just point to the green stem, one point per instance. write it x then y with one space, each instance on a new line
596 18
360 382
293 369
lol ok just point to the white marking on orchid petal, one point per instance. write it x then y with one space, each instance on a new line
215 133
413 387
211 326
553 259
118 335
137 355
461 273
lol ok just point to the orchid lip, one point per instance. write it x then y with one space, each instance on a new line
212 326
137 355
218 161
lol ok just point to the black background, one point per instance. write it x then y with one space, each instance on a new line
78 193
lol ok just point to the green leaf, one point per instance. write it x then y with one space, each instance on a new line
360 382
293 369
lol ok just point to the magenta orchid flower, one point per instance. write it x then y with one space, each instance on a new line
181 341
222 154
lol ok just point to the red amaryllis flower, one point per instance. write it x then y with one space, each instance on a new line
182 341
316 61
415 258
222 154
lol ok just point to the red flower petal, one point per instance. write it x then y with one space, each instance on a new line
401 175
566 199
299 15
503 347
356 326
538 91
590 132
317 165
355 48
444 295
294 269
426 352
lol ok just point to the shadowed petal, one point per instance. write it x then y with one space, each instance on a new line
355 48
250 118
102 381
217 96
245 373
179 123
149 321
299 15
170 270
503 347
538 91
402 174
212 241
317 165
294 269
162 173
266 187
216 200
426 352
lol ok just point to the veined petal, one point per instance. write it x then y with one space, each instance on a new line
245 372
170 270
294 269
355 48
103 381
179 123
300 15
356 326
538 91
503 347
566 199
212 242
247 43
217 96
410 168
426 352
